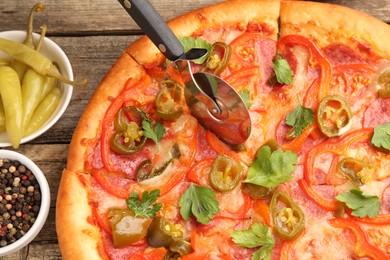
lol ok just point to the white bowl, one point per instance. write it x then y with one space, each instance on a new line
53 52
45 202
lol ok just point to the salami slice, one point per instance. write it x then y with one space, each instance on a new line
377 113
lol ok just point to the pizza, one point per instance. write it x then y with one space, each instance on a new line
145 180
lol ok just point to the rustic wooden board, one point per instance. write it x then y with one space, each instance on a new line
91 18
108 17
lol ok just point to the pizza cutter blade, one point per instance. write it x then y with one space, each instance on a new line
211 100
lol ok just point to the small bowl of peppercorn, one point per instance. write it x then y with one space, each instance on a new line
24 201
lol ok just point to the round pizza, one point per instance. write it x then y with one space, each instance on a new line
146 180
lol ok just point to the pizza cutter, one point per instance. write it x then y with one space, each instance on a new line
211 100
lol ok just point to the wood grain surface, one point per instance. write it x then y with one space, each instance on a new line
93 34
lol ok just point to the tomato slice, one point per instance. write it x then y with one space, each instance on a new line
147 254
252 49
362 247
113 184
249 78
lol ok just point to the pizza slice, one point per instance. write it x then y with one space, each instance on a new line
338 58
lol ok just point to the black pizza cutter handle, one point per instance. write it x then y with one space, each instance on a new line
149 20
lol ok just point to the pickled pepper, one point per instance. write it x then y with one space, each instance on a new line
11 95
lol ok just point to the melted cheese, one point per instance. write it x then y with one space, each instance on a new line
322 241
374 188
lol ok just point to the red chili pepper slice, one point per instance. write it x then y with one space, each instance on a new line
362 247
317 58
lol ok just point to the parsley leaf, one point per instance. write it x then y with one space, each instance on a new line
190 42
381 137
361 205
299 119
264 253
257 235
246 97
145 207
200 201
155 134
283 72
271 168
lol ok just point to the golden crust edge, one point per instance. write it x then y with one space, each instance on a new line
234 13
326 23
77 237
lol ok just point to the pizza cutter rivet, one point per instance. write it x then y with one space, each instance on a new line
127 4
162 48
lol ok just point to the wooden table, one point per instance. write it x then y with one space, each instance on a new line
93 34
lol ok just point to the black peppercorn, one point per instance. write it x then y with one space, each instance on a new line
20 199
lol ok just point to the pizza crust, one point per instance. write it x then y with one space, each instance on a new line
326 24
234 13
77 237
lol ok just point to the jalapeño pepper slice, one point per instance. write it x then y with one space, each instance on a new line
168 100
218 57
147 171
334 116
287 216
357 171
225 174
257 191
127 229
128 137
384 84
163 233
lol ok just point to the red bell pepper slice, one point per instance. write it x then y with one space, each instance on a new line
362 247
336 148
329 205
241 213
296 144
317 58
199 170
262 208
220 147
378 220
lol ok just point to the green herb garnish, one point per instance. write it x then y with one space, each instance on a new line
155 133
246 97
200 202
381 137
361 205
283 72
190 42
299 119
271 168
258 235
146 207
